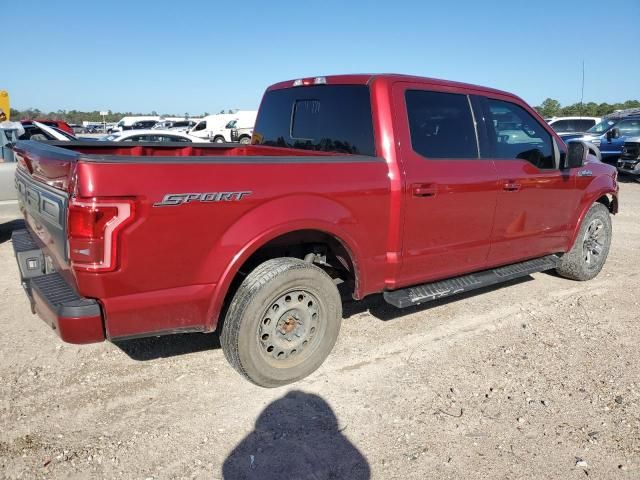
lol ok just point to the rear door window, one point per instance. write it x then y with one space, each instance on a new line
441 124
328 118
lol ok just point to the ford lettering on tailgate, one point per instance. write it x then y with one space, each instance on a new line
174 199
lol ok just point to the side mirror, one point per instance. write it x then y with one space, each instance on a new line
576 154
613 133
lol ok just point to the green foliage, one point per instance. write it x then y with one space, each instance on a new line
76 116
552 108
548 108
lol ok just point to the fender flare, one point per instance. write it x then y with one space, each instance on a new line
586 205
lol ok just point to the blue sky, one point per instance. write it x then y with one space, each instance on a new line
195 56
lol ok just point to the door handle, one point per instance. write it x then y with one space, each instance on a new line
424 190
511 187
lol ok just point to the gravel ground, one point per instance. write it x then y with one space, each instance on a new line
536 379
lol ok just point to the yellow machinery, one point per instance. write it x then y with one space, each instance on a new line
5 111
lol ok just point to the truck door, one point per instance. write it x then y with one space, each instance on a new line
450 192
611 147
536 200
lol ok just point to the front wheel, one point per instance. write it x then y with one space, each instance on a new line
589 252
245 140
282 322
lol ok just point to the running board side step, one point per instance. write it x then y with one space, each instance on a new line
428 292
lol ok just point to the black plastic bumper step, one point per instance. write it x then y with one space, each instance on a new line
23 241
28 254
427 292
62 298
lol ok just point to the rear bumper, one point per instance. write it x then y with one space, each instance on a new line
74 318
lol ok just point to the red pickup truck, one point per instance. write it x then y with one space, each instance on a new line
413 187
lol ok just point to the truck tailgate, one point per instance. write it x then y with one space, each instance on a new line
43 181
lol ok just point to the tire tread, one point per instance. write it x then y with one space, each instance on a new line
571 264
259 278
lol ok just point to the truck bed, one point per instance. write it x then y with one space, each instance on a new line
175 258
51 161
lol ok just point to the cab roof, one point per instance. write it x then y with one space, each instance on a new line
368 78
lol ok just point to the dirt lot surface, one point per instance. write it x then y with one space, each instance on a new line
536 379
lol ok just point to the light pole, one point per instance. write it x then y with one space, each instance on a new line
104 121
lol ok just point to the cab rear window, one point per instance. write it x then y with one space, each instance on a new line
328 118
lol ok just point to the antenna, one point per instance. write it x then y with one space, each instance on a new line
582 89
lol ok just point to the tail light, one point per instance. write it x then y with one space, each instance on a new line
93 226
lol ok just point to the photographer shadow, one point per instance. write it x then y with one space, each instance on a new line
296 437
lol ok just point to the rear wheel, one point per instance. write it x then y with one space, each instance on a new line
589 253
282 322
218 139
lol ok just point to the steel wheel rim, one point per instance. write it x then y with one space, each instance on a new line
593 243
291 327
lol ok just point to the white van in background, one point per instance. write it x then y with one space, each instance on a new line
573 124
209 124
242 121
126 122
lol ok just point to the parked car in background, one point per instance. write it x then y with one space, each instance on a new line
93 129
59 124
573 124
9 133
242 135
151 135
629 161
610 135
142 125
183 126
126 123
413 188
35 131
32 131
177 125
207 126
242 120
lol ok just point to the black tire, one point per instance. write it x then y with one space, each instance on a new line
589 252
218 139
282 323
245 140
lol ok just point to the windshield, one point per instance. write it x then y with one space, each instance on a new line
601 127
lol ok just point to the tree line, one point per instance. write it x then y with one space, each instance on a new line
552 108
77 116
548 108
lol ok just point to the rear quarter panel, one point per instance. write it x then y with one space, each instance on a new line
172 252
